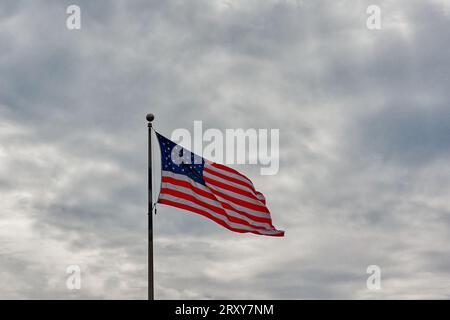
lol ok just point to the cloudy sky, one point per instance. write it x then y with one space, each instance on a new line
364 119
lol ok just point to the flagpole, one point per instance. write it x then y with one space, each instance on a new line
150 118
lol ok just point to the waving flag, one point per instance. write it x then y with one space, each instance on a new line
215 191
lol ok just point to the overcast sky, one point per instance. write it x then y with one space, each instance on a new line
364 119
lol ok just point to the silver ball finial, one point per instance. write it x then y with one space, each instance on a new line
150 117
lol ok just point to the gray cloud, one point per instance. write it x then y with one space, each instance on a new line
363 122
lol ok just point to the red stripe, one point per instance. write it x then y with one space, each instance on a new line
211 196
240 202
203 213
206 214
217 210
186 184
220 175
230 188
224 204
263 199
248 215
225 168
221 166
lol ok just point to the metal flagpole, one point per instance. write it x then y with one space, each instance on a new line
150 118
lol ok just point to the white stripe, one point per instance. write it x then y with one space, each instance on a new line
234 184
218 205
177 176
230 193
252 190
244 209
216 215
230 174
207 200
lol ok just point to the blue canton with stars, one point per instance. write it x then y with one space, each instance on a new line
185 162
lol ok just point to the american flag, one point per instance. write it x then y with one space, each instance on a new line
212 190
